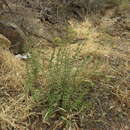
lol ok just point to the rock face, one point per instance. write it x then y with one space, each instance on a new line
4 42
15 35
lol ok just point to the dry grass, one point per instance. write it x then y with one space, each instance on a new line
14 107
14 112
12 71
108 66
109 60
110 57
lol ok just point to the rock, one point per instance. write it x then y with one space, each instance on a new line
4 42
15 35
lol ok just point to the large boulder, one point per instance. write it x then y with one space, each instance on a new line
4 42
15 35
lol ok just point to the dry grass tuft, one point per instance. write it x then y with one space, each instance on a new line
12 71
14 112
14 106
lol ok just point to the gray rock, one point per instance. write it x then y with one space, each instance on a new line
15 35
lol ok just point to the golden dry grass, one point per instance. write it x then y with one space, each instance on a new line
12 71
13 105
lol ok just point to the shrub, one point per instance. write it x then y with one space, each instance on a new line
63 90
64 79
